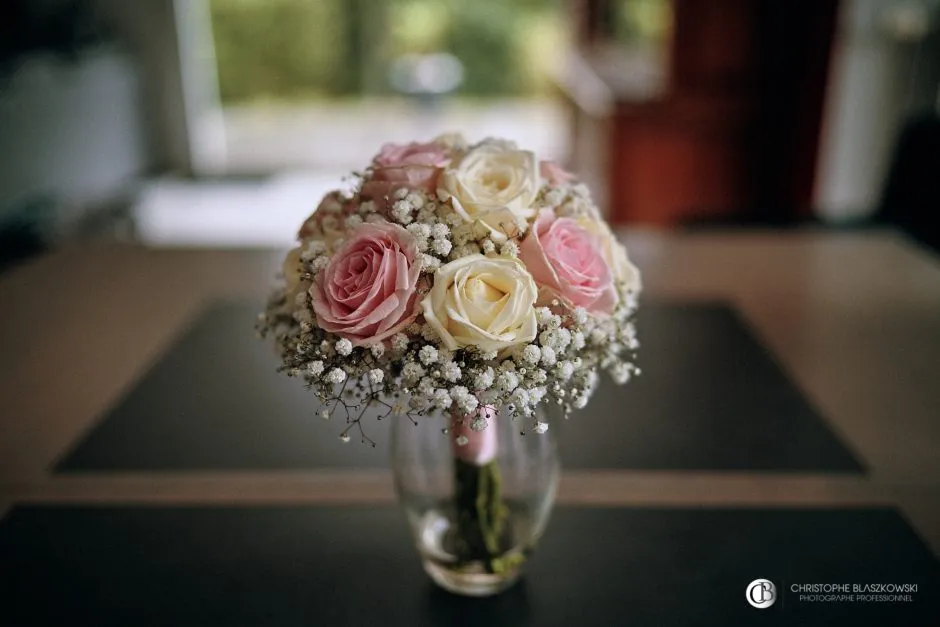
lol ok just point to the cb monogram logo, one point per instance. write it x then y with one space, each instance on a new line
761 593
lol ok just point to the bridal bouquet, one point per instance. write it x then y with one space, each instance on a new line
460 279
456 277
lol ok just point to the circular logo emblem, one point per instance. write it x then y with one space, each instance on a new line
761 593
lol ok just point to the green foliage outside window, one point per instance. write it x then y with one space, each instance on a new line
301 49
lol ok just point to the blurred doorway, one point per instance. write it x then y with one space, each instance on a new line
721 114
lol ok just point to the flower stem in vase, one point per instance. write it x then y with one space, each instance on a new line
481 513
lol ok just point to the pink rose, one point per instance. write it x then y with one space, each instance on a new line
567 261
369 289
385 181
412 154
412 166
554 173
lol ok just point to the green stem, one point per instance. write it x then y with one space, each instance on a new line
481 514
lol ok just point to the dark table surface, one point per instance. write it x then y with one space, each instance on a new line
711 398
356 566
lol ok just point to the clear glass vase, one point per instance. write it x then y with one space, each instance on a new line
477 500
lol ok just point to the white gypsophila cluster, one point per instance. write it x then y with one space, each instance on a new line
413 371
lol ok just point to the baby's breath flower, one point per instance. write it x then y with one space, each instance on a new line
540 427
520 397
620 373
484 380
468 404
401 211
531 354
509 248
427 354
440 231
543 315
325 414
429 263
441 246
419 230
344 347
353 221
401 193
426 386
336 375
548 356
412 372
507 381
344 438
577 340
539 375
377 349
564 370
320 263
442 399
579 315
375 376
315 368
399 341
415 199
451 372
465 401
488 246
462 440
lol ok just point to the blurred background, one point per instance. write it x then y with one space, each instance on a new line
222 122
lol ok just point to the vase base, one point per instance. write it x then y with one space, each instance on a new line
470 581
475 577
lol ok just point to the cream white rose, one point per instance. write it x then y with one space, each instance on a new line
484 302
454 142
493 185
615 254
